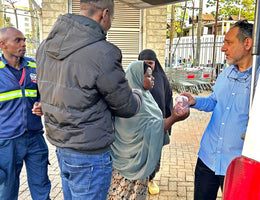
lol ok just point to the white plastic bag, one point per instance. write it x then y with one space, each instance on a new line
181 104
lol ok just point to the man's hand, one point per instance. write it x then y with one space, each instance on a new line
191 99
37 109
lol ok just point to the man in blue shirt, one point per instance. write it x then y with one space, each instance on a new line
21 130
229 101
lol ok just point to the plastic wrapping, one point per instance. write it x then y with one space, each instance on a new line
181 104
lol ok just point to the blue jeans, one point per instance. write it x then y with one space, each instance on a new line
84 176
32 149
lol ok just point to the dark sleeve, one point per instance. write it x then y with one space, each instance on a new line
168 98
38 95
114 87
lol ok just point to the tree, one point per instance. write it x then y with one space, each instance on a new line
245 8
199 31
7 22
12 2
180 11
1 15
37 10
33 35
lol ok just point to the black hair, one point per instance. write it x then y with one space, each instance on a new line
94 5
4 30
146 66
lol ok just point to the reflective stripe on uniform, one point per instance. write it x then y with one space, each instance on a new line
11 95
31 64
2 65
30 93
17 94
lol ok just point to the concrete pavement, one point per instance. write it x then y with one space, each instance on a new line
176 175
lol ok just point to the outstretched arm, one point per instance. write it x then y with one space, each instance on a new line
175 117
191 99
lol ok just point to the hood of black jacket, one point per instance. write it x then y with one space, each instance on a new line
70 33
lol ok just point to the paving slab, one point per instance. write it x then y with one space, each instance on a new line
178 161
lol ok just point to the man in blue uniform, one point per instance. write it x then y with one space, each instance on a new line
21 130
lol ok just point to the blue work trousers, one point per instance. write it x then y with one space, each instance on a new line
84 176
32 149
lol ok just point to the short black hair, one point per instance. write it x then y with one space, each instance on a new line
94 5
245 30
4 30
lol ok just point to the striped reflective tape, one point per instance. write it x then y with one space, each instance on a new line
17 94
30 93
11 95
31 64
2 65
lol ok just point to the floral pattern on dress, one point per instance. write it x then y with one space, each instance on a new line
125 189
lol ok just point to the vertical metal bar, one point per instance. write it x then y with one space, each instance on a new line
171 35
141 31
214 44
200 26
253 78
255 50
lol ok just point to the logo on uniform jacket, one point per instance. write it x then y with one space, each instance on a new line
33 77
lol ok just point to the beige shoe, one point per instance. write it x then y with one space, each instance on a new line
153 187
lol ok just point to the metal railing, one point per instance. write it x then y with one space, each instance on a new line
184 49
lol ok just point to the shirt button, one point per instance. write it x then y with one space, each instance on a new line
218 151
220 138
233 93
227 108
223 123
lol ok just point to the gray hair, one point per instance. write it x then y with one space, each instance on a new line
245 30
92 6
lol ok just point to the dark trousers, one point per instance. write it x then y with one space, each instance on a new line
157 168
206 183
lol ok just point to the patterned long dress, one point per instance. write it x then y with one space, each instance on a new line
124 189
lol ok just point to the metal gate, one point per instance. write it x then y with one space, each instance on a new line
184 49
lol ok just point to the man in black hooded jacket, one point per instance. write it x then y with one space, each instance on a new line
82 86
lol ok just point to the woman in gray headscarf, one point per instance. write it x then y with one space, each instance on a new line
139 139
162 94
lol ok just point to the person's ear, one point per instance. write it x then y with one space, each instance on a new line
2 44
248 43
105 13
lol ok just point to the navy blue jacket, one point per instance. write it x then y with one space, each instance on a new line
16 101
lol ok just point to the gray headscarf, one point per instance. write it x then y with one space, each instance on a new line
139 139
